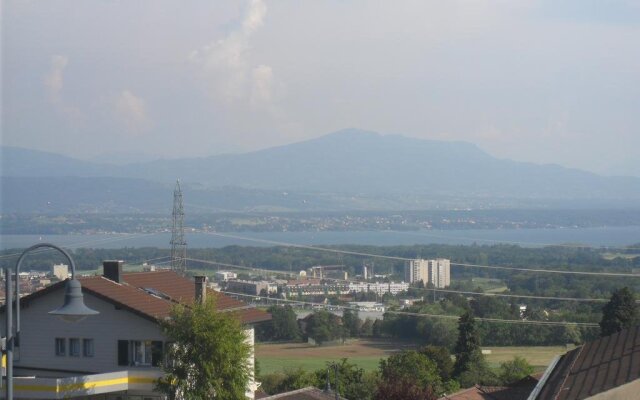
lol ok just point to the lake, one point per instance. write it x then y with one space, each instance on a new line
598 237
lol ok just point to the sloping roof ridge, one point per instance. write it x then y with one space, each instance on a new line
298 391
475 387
573 363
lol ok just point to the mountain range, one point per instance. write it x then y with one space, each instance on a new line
346 169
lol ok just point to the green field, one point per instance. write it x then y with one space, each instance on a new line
367 355
489 285
269 365
539 357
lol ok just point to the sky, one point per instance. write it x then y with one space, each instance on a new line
547 81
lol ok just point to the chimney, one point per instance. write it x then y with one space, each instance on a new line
112 270
201 289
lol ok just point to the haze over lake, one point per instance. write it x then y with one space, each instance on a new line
603 236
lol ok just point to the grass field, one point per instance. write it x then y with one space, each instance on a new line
367 355
539 357
490 285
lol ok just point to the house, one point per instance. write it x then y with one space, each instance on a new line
308 393
517 391
607 368
114 355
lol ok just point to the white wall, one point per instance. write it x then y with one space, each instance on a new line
39 330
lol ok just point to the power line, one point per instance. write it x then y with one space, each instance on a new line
361 254
550 298
428 315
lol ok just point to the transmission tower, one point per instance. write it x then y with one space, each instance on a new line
178 244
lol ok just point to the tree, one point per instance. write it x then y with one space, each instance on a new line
442 357
404 389
208 358
283 325
410 367
323 326
468 344
477 372
289 379
351 322
366 330
376 329
353 382
619 313
514 370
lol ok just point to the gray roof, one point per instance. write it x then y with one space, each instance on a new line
595 367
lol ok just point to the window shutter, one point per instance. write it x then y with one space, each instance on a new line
156 353
123 352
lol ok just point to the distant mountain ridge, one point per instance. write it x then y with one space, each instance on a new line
350 162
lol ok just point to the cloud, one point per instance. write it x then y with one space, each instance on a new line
131 111
255 16
262 77
225 62
54 80
54 85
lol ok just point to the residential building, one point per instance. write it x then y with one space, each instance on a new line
417 271
440 272
115 354
517 391
225 276
380 288
308 393
255 288
60 271
605 369
316 289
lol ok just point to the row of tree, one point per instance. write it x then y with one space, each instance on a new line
424 374
620 312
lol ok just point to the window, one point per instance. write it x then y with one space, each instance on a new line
61 348
74 347
140 352
87 347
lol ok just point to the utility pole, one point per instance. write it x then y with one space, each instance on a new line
178 244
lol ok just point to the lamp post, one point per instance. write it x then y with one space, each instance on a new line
73 308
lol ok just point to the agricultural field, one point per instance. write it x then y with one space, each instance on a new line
367 354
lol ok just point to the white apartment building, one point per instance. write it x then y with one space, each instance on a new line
60 271
225 276
440 272
417 270
379 288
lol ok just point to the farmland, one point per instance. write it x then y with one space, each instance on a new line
367 354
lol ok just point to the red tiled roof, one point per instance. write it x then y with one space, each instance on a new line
519 390
152 295
308 393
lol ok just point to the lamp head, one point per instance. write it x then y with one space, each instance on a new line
73 309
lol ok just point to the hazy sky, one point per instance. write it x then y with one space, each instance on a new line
546 81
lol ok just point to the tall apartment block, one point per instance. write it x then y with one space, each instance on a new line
440 272
416 270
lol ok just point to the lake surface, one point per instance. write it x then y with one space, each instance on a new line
602 236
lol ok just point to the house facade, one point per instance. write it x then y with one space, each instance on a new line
120 348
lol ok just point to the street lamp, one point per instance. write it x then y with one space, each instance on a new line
73 308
